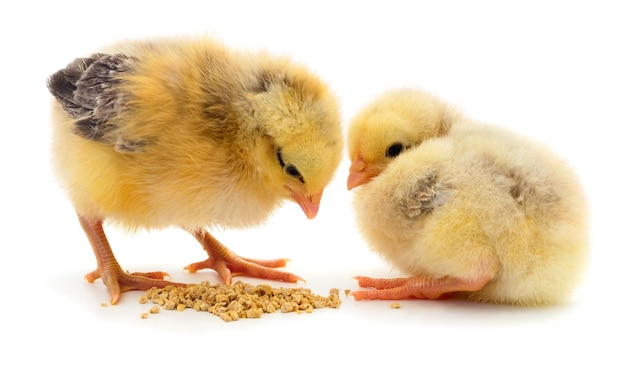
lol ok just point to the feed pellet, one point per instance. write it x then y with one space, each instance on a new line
239 300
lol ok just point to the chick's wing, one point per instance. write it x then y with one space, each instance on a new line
88 91
425 194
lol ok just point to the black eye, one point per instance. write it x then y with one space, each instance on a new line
394 150
293 172
289 169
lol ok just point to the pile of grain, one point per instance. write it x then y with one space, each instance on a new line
239 300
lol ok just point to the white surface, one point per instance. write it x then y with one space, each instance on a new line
553 71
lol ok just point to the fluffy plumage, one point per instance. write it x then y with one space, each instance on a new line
189 133
464 208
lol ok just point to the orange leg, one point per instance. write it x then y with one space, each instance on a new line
420 287
113 277
227 264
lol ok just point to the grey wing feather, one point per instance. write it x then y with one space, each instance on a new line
86 89
425 195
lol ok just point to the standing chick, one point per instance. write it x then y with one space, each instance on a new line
187 133
464 208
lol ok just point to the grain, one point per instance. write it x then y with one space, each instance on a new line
395 305
239 300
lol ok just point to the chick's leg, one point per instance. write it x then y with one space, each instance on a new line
228 264
420 287
113 277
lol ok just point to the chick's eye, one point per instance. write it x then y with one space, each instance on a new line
293 172
394 150
289 169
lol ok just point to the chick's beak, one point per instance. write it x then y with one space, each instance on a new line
309 204
360 173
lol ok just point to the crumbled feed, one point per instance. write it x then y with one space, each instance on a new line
104 304
287 307
395 305
239 300
144 315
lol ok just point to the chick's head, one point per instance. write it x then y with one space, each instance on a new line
394 122
299 119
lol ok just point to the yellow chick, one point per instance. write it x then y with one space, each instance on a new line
189 133
464 208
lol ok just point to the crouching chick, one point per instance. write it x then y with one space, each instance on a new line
465 209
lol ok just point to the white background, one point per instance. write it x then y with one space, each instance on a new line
552 70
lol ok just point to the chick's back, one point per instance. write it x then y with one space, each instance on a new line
175 132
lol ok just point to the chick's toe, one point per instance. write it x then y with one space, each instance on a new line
228 264
117 281
420 287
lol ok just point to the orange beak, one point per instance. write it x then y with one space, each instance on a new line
309 204
359 173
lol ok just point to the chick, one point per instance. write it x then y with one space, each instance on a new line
465 209
189 133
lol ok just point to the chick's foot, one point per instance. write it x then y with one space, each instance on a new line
228 264
420 287
113 277
117 281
